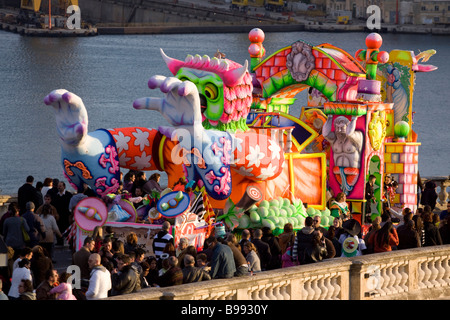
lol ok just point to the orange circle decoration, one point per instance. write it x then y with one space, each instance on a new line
90 213
254 193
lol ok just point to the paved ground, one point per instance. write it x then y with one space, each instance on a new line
63 258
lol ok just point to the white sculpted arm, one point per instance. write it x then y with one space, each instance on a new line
355 136
326 130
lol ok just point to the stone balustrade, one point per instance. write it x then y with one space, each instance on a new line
328 280
422 273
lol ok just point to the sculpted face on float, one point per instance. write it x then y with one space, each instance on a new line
210 88
225 89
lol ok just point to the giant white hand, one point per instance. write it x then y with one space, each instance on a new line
181 104
205 153
93 155
71 116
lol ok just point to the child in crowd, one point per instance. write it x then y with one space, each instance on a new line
64 289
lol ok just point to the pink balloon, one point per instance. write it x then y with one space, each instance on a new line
254 49
256 35
383 57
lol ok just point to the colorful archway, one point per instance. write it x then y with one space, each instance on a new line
375 169
290 70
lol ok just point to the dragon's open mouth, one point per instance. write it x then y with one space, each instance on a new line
203 103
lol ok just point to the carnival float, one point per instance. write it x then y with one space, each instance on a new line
249 162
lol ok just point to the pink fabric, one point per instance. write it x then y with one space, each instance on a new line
64 292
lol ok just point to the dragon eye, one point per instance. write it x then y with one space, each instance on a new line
211 91
183 79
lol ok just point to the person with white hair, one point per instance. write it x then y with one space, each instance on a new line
183 244
191 273
173 276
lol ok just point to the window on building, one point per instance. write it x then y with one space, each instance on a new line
436 8
424 8
436 19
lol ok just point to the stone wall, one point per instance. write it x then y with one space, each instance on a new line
124 12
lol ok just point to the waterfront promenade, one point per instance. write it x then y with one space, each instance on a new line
206 17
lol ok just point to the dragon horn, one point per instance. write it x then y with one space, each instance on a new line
173 64
235 76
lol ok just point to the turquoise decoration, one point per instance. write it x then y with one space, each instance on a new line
117 214
173 204
212 166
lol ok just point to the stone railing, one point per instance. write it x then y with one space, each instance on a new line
328 280
422 273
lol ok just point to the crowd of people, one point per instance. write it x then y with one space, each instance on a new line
109 266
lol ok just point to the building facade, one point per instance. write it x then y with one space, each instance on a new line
417 12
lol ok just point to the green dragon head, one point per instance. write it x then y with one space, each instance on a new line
225 89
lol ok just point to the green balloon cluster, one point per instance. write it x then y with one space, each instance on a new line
275 213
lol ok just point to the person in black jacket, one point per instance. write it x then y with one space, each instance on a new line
303 243
370 197
444 230
37 227
275 249
124 279
408 237
429 195
222 259
27 193
173 276
61 201
191 273
263 250
432 235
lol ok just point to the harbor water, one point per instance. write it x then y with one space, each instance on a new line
110 72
